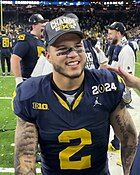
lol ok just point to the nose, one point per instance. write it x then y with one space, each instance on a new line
72 53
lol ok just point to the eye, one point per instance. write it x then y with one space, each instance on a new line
78 46
62 49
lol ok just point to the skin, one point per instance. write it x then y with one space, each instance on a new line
104 64
26 139
69 69
127 150
130 80
37 29
15 65
114 36
126 132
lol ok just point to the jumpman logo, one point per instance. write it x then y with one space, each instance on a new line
97 102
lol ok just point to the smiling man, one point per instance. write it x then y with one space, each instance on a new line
69 111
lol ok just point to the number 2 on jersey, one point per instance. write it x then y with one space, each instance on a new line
64 156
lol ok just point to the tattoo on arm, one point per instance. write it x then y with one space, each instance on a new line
126 132
26 139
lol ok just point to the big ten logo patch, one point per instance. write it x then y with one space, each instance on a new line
40 106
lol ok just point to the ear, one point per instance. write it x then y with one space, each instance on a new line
48 56
33 26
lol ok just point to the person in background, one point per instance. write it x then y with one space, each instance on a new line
69 111
28 49
5 52
133 82
123 55
109 49
102 59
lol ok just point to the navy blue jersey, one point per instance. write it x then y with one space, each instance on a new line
5 45
14 41
111 49
116 52
72 141
29 48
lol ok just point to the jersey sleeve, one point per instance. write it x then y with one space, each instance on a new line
117 96
110 86
22 46
22 105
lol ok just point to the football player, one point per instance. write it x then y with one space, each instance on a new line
69 111
5 50
28 49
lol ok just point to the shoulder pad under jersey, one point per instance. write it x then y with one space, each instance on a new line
23 36
31 86
104 74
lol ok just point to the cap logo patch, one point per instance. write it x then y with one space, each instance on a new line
65 26
64 23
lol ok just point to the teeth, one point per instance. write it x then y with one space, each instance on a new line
73 63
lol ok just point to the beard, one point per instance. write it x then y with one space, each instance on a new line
61 71
114 41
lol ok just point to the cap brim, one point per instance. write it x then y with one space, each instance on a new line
109 27
53 40
41 21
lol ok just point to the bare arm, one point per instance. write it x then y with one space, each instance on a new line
16 68
103 65
130 80
15 65
125 130
26 139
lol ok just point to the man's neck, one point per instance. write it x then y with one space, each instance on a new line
34 33
67 84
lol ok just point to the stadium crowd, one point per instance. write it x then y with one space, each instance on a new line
92 19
